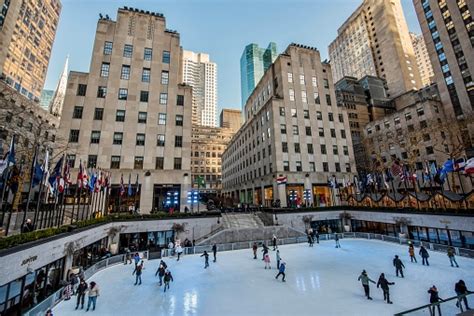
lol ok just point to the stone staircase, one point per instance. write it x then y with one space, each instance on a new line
241 220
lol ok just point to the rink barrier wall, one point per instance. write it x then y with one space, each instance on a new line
428 307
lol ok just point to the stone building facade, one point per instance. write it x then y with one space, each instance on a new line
422 59
230 118
131 114
294 133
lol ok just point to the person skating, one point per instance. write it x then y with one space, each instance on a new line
206 259
452 257
399 266
461 289
254 248
274 242
81 293
364 279
167 279
411 252
384 283
138 273
317 237
128 256
179 251
278 258
264 250
434 298
336 238
281 271
424 255
310 240
214 252
93 294
266 259
136 258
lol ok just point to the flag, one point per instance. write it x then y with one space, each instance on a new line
459 164
130 191
61 185
92 181
56 174
469 167
3 164
122 188
14 179
137 186
281 180
433 169
9 159
80 176
397 169
200 181
386 178
38 172
67 173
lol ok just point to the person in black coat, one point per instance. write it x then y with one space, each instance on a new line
434 298
214 252
167 278
461 289
398 264
384 283
81 293
206 259
161 272
424 255
264 250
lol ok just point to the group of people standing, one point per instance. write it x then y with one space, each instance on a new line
80 289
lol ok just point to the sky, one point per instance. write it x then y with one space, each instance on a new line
221 28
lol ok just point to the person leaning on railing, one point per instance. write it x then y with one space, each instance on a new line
434 298
461 289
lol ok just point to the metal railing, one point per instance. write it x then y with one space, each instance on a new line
429 309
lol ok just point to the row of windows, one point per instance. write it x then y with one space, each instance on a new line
118 138
310 150
308 131
115 162
306 114
128 52
120 116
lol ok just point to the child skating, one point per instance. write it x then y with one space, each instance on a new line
266 259
281 271
254 248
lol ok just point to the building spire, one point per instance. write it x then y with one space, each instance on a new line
56 105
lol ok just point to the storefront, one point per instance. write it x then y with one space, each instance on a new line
374 227
322 195
257 192
151 241
91 254
294 194
457 238
26 292
328 226
268 195
166 197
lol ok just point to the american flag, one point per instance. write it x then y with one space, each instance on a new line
122 187
397 170
80 176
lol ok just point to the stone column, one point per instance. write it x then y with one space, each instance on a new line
281 194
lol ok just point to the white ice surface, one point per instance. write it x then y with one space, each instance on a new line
320 281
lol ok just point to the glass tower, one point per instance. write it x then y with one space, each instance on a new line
253 64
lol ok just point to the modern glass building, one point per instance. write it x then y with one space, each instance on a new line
46 98
253 63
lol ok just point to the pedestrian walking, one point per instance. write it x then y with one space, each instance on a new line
214 252
161 272
167 279
317 237
399 266
179 251
281 271
206 259
81 293
128 256
254 248
267 261
278 259
364 279
274 242
461 289
93 294
411 252
138 273
336 238
424 255
264 250
384 283
452 256
434 298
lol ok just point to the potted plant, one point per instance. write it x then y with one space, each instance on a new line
345 218
178 229
307 219
113 233
69 249
402 223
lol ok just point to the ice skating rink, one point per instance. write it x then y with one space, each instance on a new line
319 281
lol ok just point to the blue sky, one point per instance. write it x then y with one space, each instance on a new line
220 28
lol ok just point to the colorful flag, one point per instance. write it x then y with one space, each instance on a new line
122 188
130 191
92 181
137 186
459 164
281 180
397 169
38 173
80 176
469 167
56 174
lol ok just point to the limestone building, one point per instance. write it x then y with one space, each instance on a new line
231 118
422 59
27 32
200 73
294 133
131 114
375 41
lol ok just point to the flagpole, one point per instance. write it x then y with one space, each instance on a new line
30 186
39 199
4 207
431 183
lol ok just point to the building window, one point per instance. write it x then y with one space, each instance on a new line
295 130
138 163
101 92
321 131
125 73
164 98
127 51
408 116
308 130
166 57
179 120
326 83
115 162
161 118
338 167
335 151
343 133
71 160
345 150
140 140
319 116
323 149
77 113
92 161
74 136
120 116
316 98
282 111
146 73
348 167
177 164
333 133
286 166
341 118
148 54
292 95
304 97
159 163
81 90
144 96
328 99
284 147
165 77
325 167
95 137
297 148
429 150
104 70
310 148
298 166
302 80
123 94
180 100
306 114
118 138
160 140
282 128
331 117
293 113
312 167
290 77
142 117
108 48
178 141
314 81
98 114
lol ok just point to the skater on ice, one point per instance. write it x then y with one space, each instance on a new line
461 289
179 250
424 255
317 236
93 294
399 266
274 242
136 258
214 252
138 273
167 279
411 252
278 258
264 250
281 271
254 248
81 293
452 256
364 279
384 283
128 256
266 259
336 238
206 259
161 272
310 240
434 298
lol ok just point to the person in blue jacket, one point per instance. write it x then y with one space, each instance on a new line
281 271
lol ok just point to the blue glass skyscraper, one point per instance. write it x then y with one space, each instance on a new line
253 64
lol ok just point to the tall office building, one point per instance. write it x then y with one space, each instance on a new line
131 114
375 41
231 118
422 59
46 98
253 64
27 32
200 73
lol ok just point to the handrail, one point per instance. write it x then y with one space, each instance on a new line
458 297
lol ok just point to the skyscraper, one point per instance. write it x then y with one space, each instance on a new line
200 73
46 98
422 59
375 41
60 92
253 64
27 32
